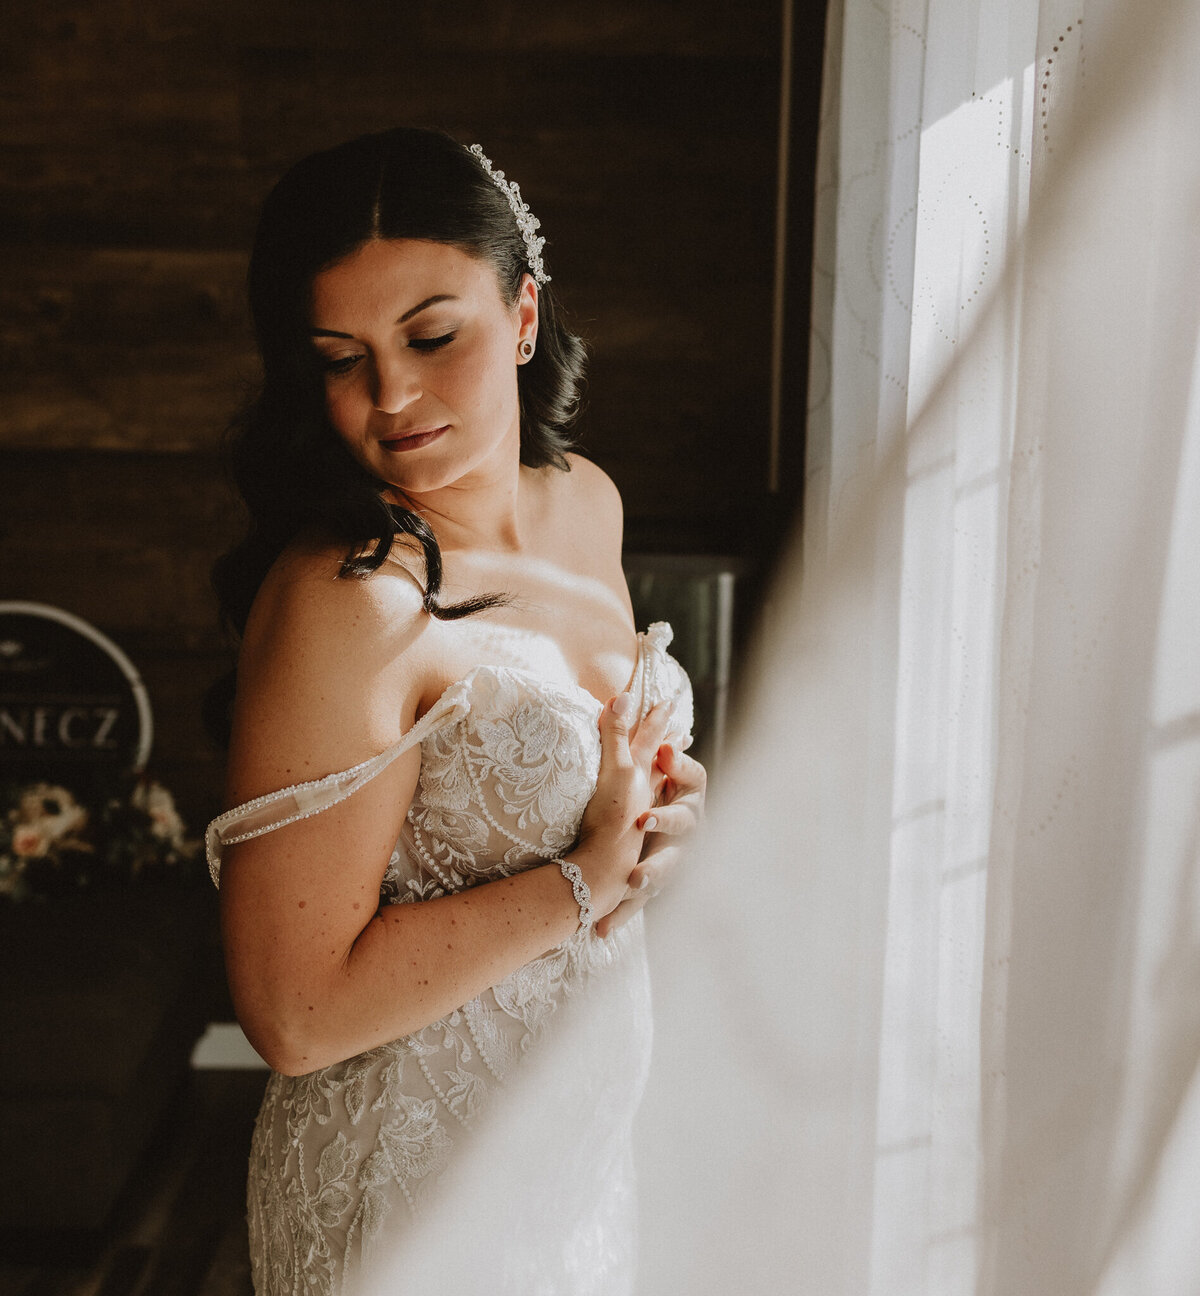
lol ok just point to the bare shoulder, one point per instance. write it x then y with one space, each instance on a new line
594 485
307 610
329 670
591 498
306 580
582 528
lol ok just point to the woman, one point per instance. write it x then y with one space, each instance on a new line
442 832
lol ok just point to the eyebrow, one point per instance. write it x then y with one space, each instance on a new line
408 314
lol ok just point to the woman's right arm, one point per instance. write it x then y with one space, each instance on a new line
330 674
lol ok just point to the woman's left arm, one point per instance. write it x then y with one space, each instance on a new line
677 813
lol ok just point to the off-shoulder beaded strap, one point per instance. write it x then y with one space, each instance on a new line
266 813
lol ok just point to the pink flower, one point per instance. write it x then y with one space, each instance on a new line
29 840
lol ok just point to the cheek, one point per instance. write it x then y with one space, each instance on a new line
496 381
342 408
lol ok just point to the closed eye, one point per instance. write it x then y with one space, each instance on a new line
433 343
339 364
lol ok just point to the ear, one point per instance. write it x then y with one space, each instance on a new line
527 311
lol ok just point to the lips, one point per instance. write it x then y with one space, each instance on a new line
401 441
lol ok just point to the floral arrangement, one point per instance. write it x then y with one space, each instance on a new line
51 843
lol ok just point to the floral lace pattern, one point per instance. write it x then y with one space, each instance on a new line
341 1155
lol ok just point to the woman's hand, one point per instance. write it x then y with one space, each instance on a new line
613 831
678 810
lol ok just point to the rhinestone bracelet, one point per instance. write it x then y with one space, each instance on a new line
581 892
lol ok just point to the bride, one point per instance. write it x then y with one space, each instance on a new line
457 772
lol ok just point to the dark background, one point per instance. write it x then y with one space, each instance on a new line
137 143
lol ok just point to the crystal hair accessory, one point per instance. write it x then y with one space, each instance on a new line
527 222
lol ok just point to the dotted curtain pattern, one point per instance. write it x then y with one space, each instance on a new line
1003 449
927 1019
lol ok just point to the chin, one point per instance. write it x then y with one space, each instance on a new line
419 481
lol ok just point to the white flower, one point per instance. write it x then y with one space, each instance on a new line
52 811
158 804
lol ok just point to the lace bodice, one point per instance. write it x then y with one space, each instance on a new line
508 765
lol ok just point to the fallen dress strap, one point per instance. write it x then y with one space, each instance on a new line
266 813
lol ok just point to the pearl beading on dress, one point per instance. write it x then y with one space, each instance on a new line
438 1092
427 859
372 1137
570 870
316 795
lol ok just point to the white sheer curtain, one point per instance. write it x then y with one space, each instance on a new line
929 1011
928 1002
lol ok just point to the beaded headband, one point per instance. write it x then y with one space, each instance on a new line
527 222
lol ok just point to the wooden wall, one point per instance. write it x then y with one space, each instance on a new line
137 142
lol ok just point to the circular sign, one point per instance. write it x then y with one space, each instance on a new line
70 700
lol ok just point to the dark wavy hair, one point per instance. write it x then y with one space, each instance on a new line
293 471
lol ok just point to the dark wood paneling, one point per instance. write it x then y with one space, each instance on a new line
121 348
126 542
180 1230
136 142
678 28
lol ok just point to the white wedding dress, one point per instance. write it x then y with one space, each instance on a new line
346 1161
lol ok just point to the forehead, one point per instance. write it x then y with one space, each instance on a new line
386 277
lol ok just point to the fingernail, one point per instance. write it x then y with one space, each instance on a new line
650 824
622 706
644 883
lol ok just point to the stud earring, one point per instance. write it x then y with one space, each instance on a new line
525 349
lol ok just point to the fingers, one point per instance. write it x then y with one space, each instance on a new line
680 769
628 783
679 788
677 818
654 870
615 721
634 889
619 916
645 882
650 732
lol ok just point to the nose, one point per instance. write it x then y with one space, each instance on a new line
393 385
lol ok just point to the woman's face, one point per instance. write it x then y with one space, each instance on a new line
420 356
